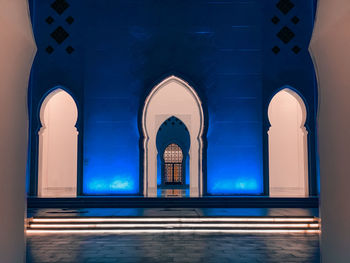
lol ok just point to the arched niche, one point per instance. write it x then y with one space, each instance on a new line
172 97
288 154
58 141
172 131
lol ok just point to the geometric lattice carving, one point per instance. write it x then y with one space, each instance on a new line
49 20
70 20
295 20
285 34
60 6
296 49
173 154
70 50
285 6
49 49
275 20
276 49
59 34
173 157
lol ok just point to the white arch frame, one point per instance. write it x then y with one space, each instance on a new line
150 126
68 186
300 186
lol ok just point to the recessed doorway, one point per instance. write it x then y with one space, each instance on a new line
172 168
173 97
173 144
58 145
288 150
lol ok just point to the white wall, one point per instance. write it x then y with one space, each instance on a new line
330 48
288 159
58 140
17 50
172 97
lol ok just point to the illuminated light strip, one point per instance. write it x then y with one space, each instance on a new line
145 231
191 220
174 225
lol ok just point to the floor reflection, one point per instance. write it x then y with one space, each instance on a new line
172 248
173 193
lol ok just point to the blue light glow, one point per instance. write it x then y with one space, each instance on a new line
159 170
120 183
111 159
233 173
235 166
118 59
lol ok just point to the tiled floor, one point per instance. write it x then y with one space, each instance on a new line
174 247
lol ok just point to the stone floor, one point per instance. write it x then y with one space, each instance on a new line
164 212
218 248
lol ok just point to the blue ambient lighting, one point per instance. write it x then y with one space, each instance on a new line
120 183
111 159
235 168
119 58
235 172
110 184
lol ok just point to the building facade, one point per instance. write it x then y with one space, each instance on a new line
221 68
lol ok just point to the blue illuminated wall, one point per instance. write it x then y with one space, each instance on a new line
116 51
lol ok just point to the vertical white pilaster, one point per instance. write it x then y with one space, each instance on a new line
17 49
330 49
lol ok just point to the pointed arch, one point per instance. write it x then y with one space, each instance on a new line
288 149
172 97
58 143
172 131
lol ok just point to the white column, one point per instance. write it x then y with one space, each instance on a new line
194 168
152 168
17 49
330 48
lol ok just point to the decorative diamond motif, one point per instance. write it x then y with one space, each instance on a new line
295 20
59 34
49 20
70 50
60 6
275 20
285 35
276 49
296 49
285 6
70 20
49 49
